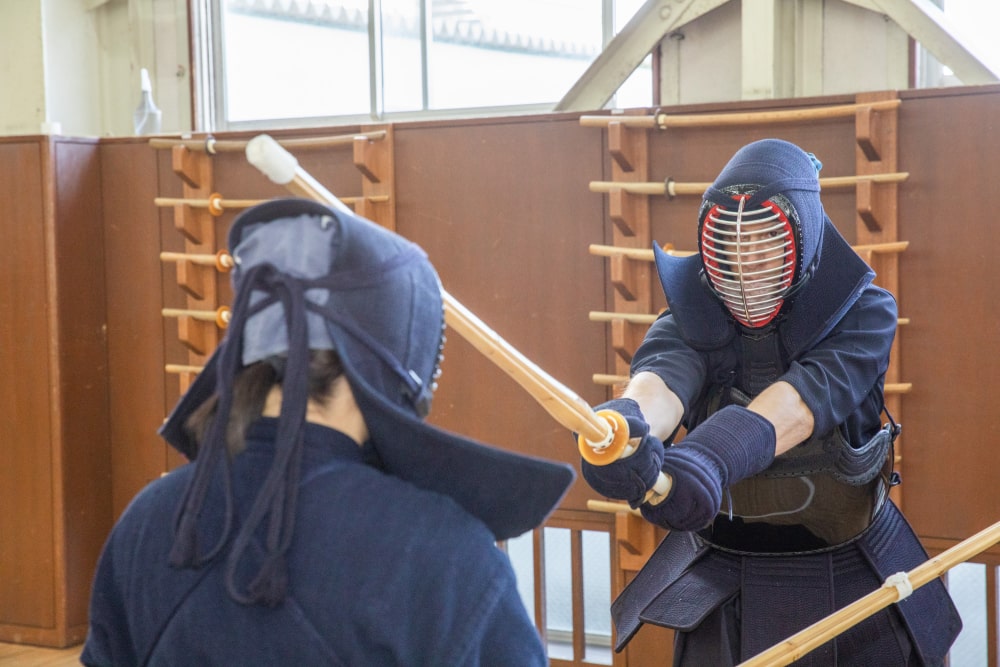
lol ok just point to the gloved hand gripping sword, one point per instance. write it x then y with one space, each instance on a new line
603 435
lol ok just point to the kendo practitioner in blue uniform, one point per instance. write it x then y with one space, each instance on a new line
772 355
322 520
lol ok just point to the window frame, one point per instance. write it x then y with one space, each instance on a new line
210 108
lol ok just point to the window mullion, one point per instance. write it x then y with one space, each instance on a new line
425 37
376 75
208 72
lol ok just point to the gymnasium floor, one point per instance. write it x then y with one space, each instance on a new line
18 655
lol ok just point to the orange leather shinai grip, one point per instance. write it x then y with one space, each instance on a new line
619 440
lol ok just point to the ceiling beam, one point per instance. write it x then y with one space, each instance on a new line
920 19
926 23
623 54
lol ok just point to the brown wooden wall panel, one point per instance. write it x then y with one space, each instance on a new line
27 540
55 484
950 144
135 335
503 210
81 388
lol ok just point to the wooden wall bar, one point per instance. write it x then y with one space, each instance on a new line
503 208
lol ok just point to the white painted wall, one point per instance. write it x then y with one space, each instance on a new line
769 49
22 93
70 66
76 63
862 51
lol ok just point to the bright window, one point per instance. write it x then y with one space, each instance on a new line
283 65
298 62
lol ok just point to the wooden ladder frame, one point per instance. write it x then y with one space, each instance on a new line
201 323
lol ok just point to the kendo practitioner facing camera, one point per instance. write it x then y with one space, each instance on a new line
772 355
322 521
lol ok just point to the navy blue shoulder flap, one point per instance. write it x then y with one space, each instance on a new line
703 321
838 283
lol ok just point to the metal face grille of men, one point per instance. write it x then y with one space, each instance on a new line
749 256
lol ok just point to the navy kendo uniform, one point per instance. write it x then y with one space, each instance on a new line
306 548
768 546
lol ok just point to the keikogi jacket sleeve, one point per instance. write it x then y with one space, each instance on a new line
846 369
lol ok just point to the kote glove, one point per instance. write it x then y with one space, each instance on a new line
631 477
731 445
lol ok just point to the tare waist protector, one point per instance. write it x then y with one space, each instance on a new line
824 488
